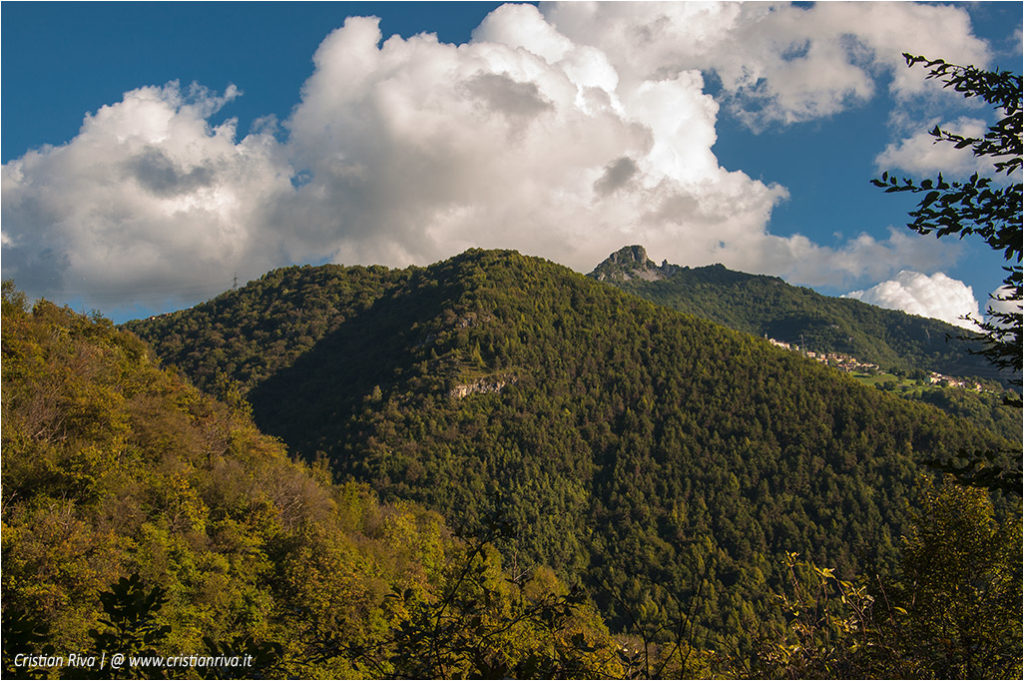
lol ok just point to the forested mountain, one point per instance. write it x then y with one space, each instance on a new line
141 517
768 306
653 457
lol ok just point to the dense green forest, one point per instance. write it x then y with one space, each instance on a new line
768 306
493 467
521 400
764 306
647 455
141 516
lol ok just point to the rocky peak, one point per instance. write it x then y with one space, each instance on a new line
630 262
630 256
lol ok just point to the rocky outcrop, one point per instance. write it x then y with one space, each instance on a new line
484 384
631 262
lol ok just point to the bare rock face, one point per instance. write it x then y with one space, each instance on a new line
484 384
631 256
630 262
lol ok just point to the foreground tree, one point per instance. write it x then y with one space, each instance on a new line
485 624
951 611
961 589
982 206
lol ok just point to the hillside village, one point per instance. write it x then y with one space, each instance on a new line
849 364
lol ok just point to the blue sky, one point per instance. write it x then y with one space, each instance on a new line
727 134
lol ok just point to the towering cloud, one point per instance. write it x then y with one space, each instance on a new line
563 132
417 149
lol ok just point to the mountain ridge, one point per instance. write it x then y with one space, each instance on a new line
636 449
769 307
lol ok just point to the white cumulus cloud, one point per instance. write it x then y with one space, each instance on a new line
776 62
937 296
148 197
